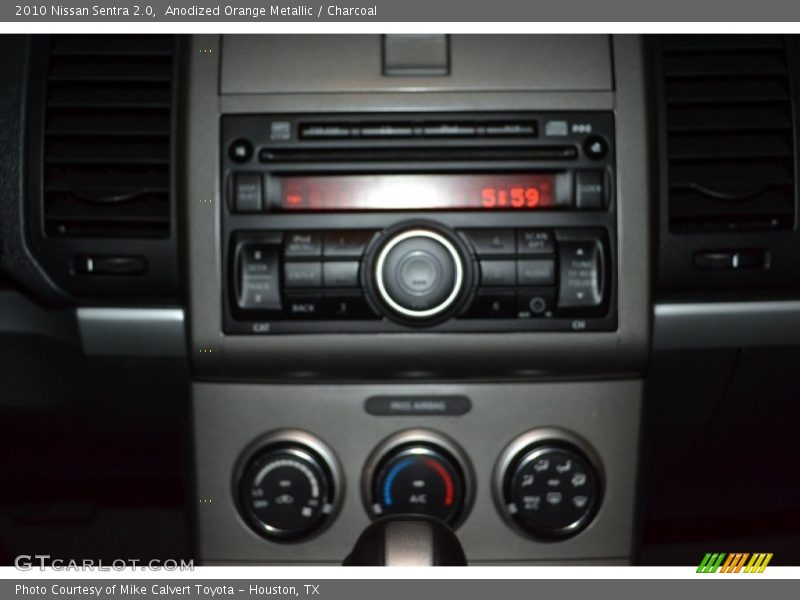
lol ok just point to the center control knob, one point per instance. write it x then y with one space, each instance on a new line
419 273
418 472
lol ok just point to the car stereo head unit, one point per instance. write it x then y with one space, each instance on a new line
401 222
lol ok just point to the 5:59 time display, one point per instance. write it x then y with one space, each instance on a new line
529 191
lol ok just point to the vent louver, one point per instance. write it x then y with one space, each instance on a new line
729 133
106 155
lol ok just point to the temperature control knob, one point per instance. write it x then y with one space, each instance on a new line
289 486
418 472
548 483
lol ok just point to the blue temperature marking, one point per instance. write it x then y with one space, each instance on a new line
387 485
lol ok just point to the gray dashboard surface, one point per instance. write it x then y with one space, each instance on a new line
352 63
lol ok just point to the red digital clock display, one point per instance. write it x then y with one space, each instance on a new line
419 192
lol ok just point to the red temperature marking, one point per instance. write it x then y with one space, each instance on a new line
449 495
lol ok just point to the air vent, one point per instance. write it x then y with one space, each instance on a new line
729 133
106 171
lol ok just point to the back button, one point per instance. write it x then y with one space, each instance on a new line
303 306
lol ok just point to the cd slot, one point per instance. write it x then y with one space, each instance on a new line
443 154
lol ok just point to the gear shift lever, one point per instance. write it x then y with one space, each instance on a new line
409 541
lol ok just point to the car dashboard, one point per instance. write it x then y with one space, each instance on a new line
279 286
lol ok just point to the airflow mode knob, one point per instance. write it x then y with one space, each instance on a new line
548 483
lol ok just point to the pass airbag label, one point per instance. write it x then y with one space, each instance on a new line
418 405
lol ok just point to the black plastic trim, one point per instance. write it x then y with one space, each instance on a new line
161 283
676 277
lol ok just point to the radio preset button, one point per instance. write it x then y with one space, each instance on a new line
532 242
498 272
345 244
590 190
494 305
580 274
302 244
492 241
302 274
536 272
345 306
340 274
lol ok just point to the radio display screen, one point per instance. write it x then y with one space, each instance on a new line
419 192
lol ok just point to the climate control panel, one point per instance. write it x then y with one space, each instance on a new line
547 482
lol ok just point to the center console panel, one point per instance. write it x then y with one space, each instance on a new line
596 420
416 293
449 222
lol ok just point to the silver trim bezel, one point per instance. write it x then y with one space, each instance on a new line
114 331
737 324
129 331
